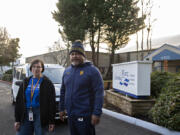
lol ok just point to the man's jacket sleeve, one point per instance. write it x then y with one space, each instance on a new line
98 89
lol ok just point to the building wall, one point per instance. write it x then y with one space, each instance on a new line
173 66
131 56
103 61
60 57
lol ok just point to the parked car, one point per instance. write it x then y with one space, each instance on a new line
53 71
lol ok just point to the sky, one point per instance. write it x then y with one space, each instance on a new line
32 22
167 14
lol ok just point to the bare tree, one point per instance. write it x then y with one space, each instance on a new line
142 38
137 46
150 21
146 9
59 53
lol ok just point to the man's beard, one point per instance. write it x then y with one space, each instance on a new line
76 62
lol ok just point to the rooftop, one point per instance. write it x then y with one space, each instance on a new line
156 43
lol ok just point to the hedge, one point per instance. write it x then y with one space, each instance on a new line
158 81
7 77
166 111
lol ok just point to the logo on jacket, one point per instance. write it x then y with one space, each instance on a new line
67 73
81 72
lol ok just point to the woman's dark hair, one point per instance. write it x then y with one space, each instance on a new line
36 61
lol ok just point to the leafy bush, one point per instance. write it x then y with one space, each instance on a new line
166 111
158 81
9 71
7 77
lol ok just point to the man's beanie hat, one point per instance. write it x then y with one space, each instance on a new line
77 46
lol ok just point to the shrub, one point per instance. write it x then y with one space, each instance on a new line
166 111
9 71
7 77
158 81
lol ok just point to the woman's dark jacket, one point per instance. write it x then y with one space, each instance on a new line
47 102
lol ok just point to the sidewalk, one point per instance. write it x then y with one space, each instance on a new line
6 82
140 123
113 126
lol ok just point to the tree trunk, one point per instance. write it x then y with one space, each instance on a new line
67 63
99 31
109 72
137 46
92 47
142 40
150 41
147 40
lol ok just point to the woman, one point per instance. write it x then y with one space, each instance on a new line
35 103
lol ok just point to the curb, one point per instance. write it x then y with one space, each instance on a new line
141 123
6 82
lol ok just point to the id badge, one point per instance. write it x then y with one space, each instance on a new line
30 115
80 119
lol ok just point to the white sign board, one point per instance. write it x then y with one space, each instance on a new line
132 78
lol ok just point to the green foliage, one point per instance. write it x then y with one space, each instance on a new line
9 71
159 80
81 19
7 77
166 111
70 16
111 21
8 48
121 21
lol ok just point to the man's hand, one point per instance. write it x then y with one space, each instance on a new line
62 115
51 127
95 120
17 126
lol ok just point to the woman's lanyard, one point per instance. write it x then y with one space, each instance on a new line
32 90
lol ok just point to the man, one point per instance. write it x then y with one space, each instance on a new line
81 93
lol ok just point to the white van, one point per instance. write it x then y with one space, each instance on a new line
53 71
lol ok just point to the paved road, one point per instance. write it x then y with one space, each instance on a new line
108 125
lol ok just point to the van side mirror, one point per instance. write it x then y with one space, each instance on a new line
18 83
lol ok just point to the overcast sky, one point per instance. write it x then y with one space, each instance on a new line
31 21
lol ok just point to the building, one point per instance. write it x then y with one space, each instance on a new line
165 58
127 54
164 54
62 57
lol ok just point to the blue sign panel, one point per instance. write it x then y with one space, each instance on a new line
166 55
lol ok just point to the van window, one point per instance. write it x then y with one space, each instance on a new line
17 74
14 72
54 74
23 74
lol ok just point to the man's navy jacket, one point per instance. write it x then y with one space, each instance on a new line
82 90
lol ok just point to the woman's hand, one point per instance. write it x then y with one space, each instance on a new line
17 126
62 115
51 127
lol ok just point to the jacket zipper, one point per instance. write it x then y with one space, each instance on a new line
73 75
